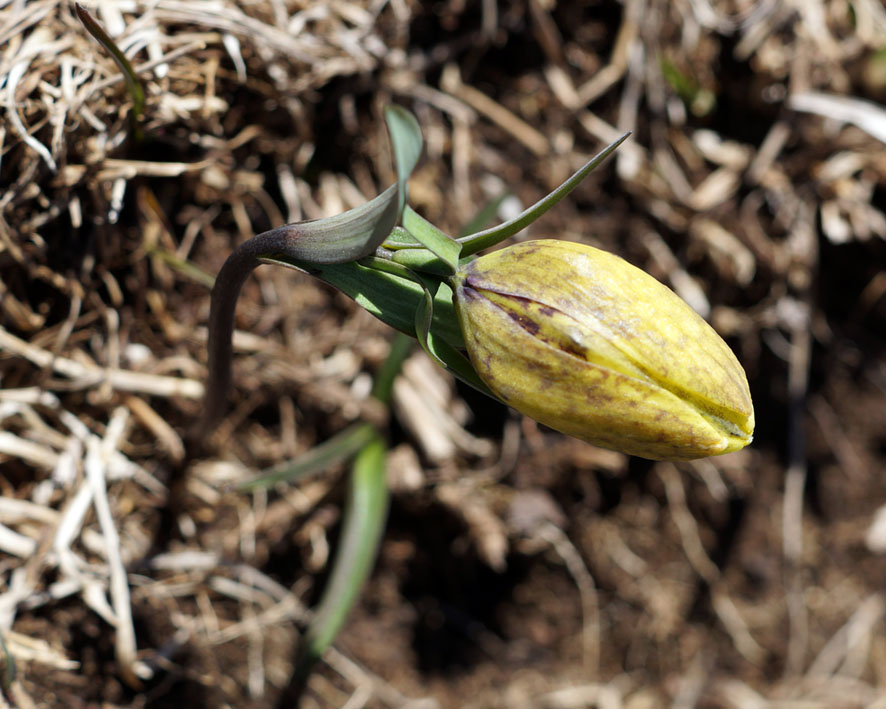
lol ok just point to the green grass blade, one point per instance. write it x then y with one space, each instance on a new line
183 266
343 445
133 85
383 385
8 672
362 526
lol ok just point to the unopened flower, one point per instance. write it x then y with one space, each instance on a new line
584 342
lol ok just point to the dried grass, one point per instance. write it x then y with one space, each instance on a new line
113 537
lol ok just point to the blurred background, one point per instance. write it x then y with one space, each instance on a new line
519 567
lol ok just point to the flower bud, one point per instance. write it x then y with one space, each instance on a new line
584 342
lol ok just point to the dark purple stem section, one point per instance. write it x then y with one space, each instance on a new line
225 292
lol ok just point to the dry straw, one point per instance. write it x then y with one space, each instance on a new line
101 346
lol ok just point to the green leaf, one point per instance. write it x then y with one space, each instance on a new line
441 245
457 364
8 672
484 239
363 522
424 315
343 445
358 232
387 290
183 266
340 239
407 142
383 384
421 260
437 348
399 238
395 296
337 239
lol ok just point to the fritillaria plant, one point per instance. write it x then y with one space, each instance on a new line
572 336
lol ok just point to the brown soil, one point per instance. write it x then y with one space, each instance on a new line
519 568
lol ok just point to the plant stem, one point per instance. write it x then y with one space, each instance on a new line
225 292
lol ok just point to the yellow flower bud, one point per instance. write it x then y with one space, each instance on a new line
584 342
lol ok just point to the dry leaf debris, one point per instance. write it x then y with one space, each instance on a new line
753 186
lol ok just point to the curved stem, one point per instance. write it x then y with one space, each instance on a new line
223 305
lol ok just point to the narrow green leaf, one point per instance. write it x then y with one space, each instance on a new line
484 239
407 143
133 85
437 348
424 315
420 260
441 245
183 266
362 525
394 295
8 673
387 290
343 445
456 363
383 384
